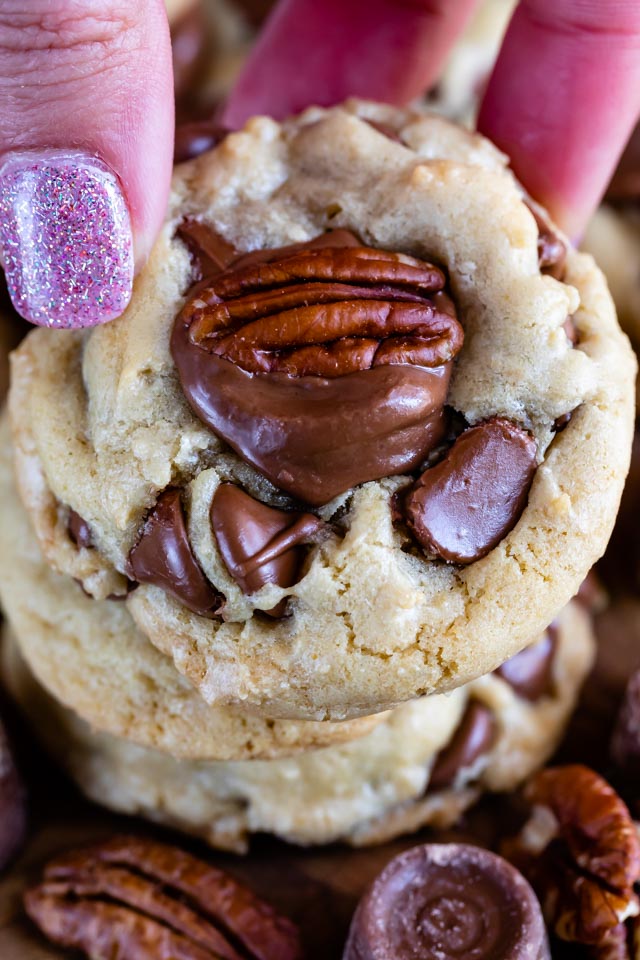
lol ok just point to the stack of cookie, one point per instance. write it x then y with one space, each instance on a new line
291 546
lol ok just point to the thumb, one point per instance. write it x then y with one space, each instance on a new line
86 142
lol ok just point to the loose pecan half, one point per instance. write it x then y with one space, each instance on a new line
580 850
323 364
136 899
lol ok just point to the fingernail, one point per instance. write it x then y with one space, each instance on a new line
65 238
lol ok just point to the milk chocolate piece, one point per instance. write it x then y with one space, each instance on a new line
530 672
446 901
13 804
163 557
474 737
79 530
258 543
195 138
463 507
324 365
625 742
209 251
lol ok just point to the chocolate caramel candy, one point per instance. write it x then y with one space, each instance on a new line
324 365
461 508
258 543
530 672
446 901
474 737
164 557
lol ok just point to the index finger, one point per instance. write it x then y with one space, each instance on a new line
563 98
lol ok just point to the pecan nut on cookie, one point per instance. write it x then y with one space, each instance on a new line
362 431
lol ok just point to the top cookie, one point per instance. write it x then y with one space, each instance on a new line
385 439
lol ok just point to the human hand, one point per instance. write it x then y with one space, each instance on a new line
561 102
86 144
86 124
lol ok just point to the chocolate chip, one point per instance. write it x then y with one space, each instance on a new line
210 253
552 250
386 130
188 49
441 901
463 507
13 804
625 742
530 672
474 737
79 530
195 138
163 557
258 543
591 595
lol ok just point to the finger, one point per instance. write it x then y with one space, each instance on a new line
86 140
563 98
322 51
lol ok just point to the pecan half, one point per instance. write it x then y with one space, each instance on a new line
323 364
580 850
136 899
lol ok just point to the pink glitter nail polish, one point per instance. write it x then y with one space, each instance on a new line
65 239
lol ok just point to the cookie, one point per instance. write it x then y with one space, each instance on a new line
366 577
424 763
90 656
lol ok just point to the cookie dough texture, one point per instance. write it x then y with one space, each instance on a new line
100 424
90 656
366 791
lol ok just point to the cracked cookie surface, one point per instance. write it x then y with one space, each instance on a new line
390 781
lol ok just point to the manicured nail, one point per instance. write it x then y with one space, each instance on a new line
65 238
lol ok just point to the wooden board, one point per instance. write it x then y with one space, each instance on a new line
318 888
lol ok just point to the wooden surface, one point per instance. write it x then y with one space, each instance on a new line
317 888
